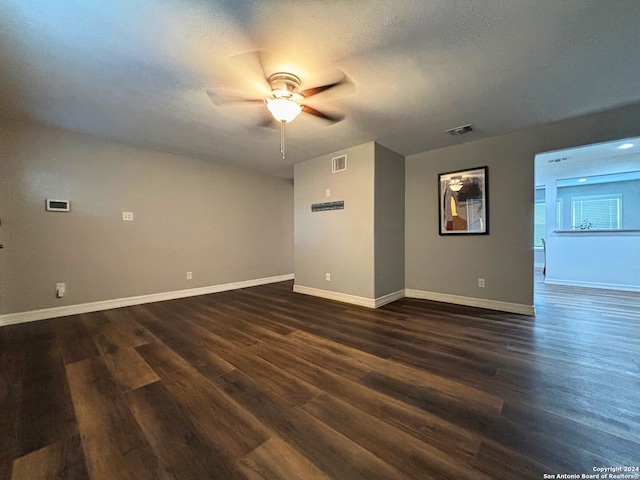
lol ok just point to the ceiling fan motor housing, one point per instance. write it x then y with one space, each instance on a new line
284 84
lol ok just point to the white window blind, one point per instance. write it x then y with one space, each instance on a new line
597 212
540 218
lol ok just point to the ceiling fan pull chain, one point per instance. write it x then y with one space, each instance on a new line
282 139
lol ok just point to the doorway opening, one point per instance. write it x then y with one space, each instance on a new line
587 217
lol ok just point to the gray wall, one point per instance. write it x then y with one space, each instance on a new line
339 242
388 221
223 224
452 265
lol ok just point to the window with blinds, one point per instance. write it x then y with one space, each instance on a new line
596 212
540 217
559 214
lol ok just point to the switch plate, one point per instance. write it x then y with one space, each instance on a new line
127 216
327 192
60 290
189 275
327 277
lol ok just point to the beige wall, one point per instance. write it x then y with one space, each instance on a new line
362 246
223 224
339 242
389 221
452 265
228 225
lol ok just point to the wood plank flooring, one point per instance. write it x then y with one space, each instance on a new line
262 383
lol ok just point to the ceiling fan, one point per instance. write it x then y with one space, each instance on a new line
286 101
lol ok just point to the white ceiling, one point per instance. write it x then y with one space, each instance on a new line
588 160
137 71
598 151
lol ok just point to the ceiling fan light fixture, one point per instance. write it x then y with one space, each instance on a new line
286 101
284 110
456 184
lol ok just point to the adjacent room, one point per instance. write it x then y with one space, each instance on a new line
319 239
588 215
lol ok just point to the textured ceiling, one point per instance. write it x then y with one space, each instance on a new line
137 71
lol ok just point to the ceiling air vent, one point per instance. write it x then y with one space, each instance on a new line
339 164
461 130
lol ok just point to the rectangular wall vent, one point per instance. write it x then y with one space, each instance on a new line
58 205
461 130
339 164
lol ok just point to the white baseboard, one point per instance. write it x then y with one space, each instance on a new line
410 293
353 299
606 286
472 302
391 297
45 313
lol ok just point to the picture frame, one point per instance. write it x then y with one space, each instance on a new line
463 202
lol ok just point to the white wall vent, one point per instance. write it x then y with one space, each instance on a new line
558 160
461 130
339 164
58 205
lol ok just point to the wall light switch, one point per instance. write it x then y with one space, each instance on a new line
327 277
127 216
327 192
60 290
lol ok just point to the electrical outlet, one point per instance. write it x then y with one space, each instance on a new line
60 290
127 216
189 275
327 192
481 282
327 277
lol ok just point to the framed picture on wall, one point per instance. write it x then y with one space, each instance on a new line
463 202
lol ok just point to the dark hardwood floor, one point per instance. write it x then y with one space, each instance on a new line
262 383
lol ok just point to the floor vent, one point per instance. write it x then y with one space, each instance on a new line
339 164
